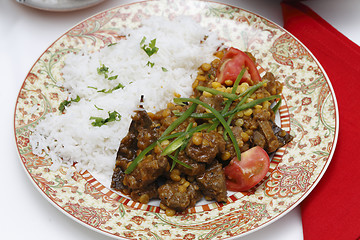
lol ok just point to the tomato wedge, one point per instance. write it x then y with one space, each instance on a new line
245 174
231 65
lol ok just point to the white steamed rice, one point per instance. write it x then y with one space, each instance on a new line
70 137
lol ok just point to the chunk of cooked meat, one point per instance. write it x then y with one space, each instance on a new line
145 194
179 197
212 183
204 146
270 136
142 133
259 139
273 87
196 167
282 136
272 143
141 125
146 172
117 180
214 101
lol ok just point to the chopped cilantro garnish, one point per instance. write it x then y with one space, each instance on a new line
142 41
150 48
65 103
103 70
112 44
164 69
113 89
99 121
118 87
98 108
150 64
113 77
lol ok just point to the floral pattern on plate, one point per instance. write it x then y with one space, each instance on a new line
309 112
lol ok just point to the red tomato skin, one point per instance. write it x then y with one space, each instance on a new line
231 65
250 170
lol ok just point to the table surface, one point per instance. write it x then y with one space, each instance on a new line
25 34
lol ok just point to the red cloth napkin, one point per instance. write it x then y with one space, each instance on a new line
332 209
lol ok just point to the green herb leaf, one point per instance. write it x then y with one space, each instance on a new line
103 70
150 48
142 42
113 89
98 108
112 44
178 142
113 77
99 121
164 69
173 164
238 79
150 64
233 111
65 103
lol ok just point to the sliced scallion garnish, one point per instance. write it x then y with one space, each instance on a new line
217 92
218 116
178 142
181 119
176 160
251 104
238 108
139 158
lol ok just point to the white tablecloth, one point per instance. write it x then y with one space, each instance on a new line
24 34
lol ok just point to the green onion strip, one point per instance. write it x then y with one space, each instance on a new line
233 91
139 158
233 111
181 119
174 158
213 91
224 112
178 142
175 144
250 104
218 116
